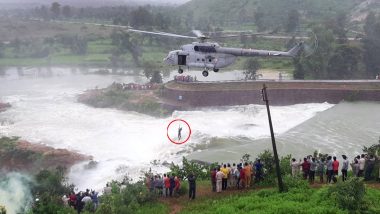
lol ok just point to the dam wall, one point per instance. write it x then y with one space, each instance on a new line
184 95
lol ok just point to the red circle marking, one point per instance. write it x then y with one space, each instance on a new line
178 143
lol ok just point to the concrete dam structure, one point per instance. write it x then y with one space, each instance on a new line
185 95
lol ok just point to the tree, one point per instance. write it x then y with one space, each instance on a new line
161 21
152 73
259 20
299 70
42 12
141 17
55 9
370 22
66 11
292 21
315 66
251 66
78 45
3 210
338 26
344 62
371 46
126 43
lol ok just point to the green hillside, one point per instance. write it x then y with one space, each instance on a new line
271 12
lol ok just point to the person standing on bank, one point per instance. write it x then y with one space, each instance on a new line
344 168
361 165
330 171
213 179
313 168
335 166
370 166
219 177
191 178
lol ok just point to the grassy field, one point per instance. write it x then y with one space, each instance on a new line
316 199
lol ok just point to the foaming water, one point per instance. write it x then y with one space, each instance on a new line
44 110
342 129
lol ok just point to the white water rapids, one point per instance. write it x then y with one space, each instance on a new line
45 110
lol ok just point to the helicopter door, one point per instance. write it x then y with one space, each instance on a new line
181 59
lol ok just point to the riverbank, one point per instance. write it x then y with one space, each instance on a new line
21 155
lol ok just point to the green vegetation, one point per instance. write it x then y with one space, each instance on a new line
351 196
2 210
74 44
9 153
345 197
134 198
49 188
202 171
296 200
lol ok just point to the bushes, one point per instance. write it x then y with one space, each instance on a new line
49 188
202 172
129 199
348 195
295 183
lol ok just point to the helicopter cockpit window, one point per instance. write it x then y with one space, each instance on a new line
196 48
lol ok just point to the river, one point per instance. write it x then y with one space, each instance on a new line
45 110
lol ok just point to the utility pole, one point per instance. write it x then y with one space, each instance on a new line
278 171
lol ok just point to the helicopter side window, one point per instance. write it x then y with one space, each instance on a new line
196 48
181 59
207 49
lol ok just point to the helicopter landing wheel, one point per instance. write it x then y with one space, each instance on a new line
180 70
215 70
205 73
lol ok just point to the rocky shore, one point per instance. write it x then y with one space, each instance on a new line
21 155
4 106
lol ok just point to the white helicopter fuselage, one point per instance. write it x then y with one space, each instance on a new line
207 55
200 55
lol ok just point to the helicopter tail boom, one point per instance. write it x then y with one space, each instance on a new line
261 53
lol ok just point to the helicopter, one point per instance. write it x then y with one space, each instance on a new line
203 54
210 55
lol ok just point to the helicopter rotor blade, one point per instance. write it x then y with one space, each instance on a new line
235 34
128 28
198 33
162 34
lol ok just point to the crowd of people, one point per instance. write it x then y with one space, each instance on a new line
241 176
238 176
165 186
134 86
362 166
325 168
183 78
79 200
